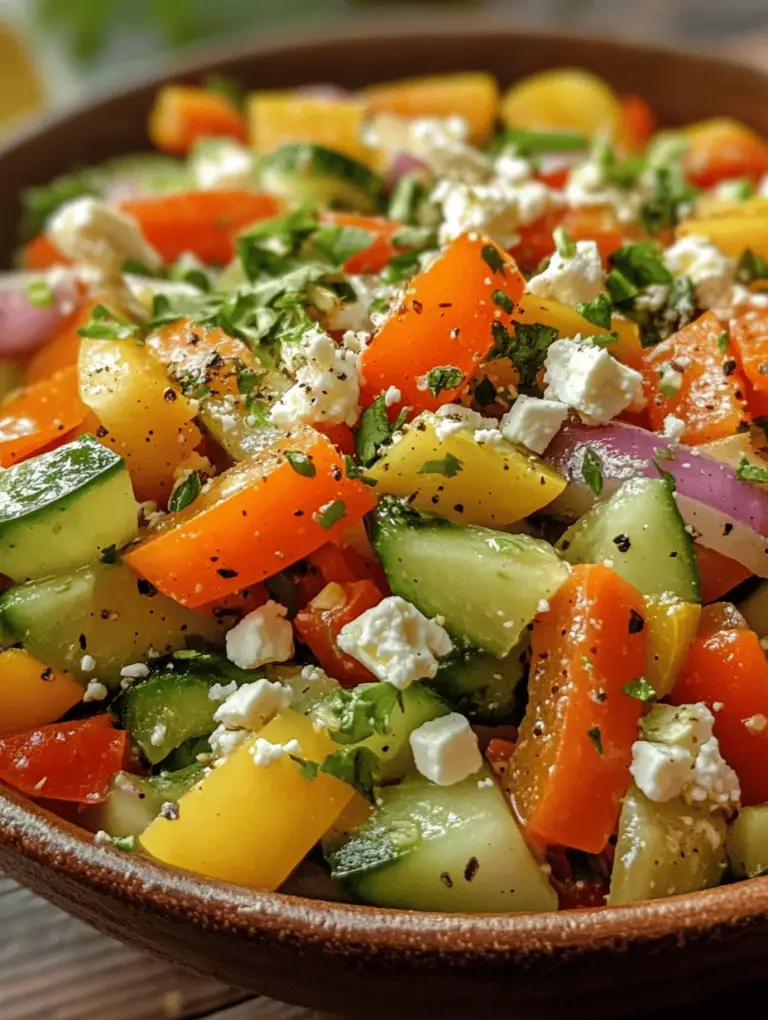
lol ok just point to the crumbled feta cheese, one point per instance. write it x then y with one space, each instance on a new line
100 237
488 437
590 380
264 753
87 664
135 671
652 298
158 735
542 606
220 692
661 771
571 280
445 750
714 781
712 273
454 417
396 642
533 422
588 185
674 428
440 142
512 168
262 636
95 691
313 674
756 723
355 315
221 163
223 741
485 784
327 387
671 379
253 705
392 396
102 838
497 208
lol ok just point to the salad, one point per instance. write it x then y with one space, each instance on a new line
383 508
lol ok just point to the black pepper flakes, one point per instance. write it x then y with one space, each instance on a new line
622 543
473 866
146 587
446 879
226 572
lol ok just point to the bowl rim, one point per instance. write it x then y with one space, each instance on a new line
33 838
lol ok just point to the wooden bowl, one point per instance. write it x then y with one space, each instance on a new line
358 960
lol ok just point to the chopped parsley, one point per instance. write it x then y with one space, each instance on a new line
443 377
415 237
373 432
274 246
670 197
103 325
597 738
639 689
337 243
504 301
722 342
641 264
301 463
352 470
39 293
598 311
356 766
669 479
357 713
402 266
131 267
185 492
407 198
565 245
592 470
747 472
331 513
449 466
751 267
493 258
532 143
527 349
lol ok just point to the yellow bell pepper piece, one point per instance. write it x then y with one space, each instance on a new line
275 118
253 824
568 322
473 95
734 231
494 486
672 625
128 392
566 99
31 694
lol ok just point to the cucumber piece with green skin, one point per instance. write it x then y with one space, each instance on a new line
301 171
381 719
640 530
480 686
141 173
133 802
448 848
486 584
62 509
665 849
747 843
185 754
105 610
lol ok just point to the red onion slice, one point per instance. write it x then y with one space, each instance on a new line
23 326
724 513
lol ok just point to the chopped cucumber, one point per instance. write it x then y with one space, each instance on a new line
186 754
133 802
106 611
486 584
380 718
63 508
455 848
481 686
301 171
141 173
747 843
640 530
754 609
308 687
665 849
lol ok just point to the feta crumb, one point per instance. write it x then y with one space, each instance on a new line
313 674
440 142
671 379
445 750
542 606
488 437
355 316
327 387
102 838
661 771
159 734
392 396
533 422
262 636
221 163
100 237
396 642
220 692
95 691
497 209
674 428
588 185
712 273
135 671
590 380
485 784
653 297
265 753
87 664
571 280
223 741
454 417
756 723
252 705
717 706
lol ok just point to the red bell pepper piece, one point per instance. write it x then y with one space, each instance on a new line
319 623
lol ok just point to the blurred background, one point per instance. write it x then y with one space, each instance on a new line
53 52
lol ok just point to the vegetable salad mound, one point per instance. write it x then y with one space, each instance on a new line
382 504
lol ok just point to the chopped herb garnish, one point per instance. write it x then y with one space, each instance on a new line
331 513
622 291
504 301
301 463
526 348
443 377
639 689
185 492
415 237
670 197
109 554
493 258
356 766
565 245
751 267
531 143
408 196
641 264
669 479
448 466
125 843
402 266
131 267
722 342
40 293
401 419
379 306
103 325
597 739
373 433
598 311
665 453
354 714
747 472
601 339
592 470
337 243
353 470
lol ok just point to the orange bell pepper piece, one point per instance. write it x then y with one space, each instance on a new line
205 223
183 114
255 519
710 399
749 343
31 693
721 149
726 667
445 319
61 351
341 435
598 224
37 415
718 574
210 355
42 253
374 258
570 767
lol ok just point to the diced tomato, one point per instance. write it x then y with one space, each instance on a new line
340 435
598 224
72 761
721 149
718 574
319 623
570 767
710 397
374 258
239 603
727 669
